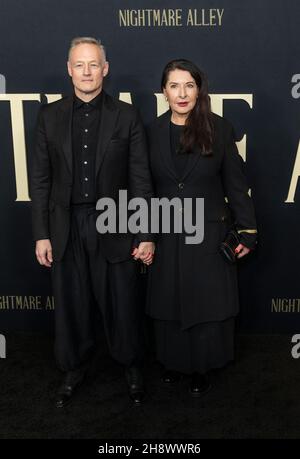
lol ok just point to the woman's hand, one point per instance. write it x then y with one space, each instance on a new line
144 252
242 250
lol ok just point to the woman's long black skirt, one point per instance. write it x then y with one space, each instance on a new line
203 347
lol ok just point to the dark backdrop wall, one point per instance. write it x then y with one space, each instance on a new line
250 51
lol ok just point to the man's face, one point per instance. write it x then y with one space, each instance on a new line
87 68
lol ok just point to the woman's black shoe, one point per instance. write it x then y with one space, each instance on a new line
135 384
200 385
171 377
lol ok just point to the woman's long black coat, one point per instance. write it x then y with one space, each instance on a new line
192 282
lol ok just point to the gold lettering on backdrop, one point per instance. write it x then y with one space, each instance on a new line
295 177
217 107
204 17
289 305
49 303
18 136
220 15
162 105
125 97
27 302
53 97
211 17
150 18
164 20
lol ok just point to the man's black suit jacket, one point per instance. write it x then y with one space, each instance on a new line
121 164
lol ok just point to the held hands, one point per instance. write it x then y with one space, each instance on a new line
43 251
144 252
241 250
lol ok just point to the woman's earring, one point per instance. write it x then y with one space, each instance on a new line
166 99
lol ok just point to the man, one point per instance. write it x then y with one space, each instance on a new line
90 146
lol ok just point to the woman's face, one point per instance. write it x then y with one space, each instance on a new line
181 91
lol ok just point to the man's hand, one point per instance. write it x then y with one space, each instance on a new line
241 250
144 252
43 251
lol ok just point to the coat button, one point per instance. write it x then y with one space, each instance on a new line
180 186
223 218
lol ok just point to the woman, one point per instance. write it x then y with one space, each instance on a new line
193 293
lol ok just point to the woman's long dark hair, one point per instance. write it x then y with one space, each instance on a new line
198 130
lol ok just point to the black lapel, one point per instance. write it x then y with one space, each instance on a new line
164 143
165 150
109 114
66 130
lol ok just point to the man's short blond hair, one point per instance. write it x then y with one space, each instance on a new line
90 40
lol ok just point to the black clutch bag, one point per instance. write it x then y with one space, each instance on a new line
228 246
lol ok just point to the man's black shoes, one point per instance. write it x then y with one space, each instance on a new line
71 382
